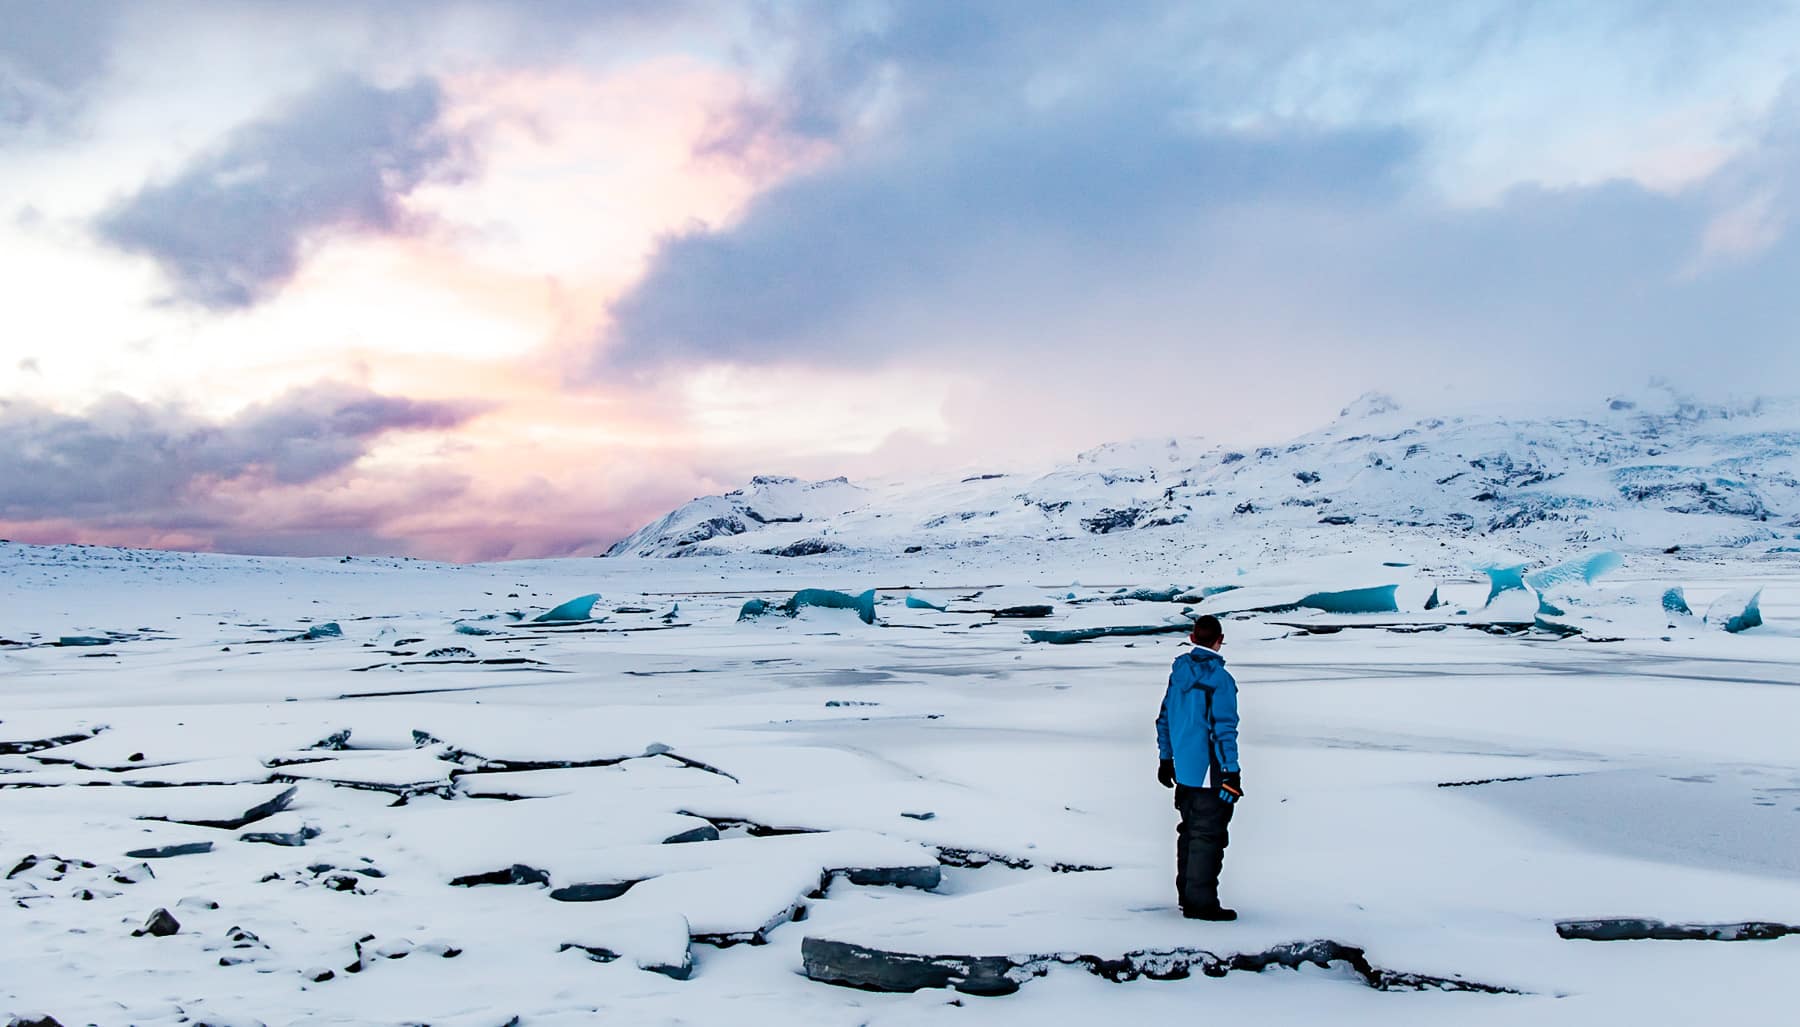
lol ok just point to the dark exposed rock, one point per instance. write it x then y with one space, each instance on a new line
41 1020
804 547
597 953
858 966
1074 635
600 892
318 974
954 856
290 838
161 924
1024 611
1111 520
260 811
1307 477
21 746
703 833
913 549
449 652
715 527
750 827
518 873
1337 519
926 878
1645 929
166 851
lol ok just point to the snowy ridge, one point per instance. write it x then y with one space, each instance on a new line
1654 473
769 499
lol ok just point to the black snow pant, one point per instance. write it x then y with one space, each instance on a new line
1200 841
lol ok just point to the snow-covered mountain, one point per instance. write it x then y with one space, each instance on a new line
1648 473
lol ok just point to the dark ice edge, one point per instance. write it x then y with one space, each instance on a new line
870 969
1647 929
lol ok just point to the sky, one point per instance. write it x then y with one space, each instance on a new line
476 280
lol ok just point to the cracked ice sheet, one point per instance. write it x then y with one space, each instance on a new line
1352 733
454 838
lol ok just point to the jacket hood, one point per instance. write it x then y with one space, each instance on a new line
1199 668
1202 655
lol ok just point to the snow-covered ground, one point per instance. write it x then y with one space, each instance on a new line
931 785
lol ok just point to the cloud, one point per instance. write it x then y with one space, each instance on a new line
1014 187
123 461
815 256
229 230
49 54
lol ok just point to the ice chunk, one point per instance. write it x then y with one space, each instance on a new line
1736 611
1434 602
1675 601
1377 599
863 604
823 598
1150 595
81 640
1587 569
579 608
1504 579
1072 635
657 943
915 603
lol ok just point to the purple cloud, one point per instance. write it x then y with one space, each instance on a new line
228 231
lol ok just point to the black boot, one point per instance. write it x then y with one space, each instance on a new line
1218 914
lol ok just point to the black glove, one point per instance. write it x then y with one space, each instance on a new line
1165 773
1232 781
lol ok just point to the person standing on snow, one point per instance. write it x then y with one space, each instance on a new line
1196 737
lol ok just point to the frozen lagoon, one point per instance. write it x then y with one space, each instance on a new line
1638 778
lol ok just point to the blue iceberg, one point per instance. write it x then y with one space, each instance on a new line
1675 601
579 608
862 605
915 603
1504 579
1377 599
1434 602
1587 570
826 599
1736 611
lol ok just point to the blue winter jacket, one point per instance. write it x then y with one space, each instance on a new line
1198 725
